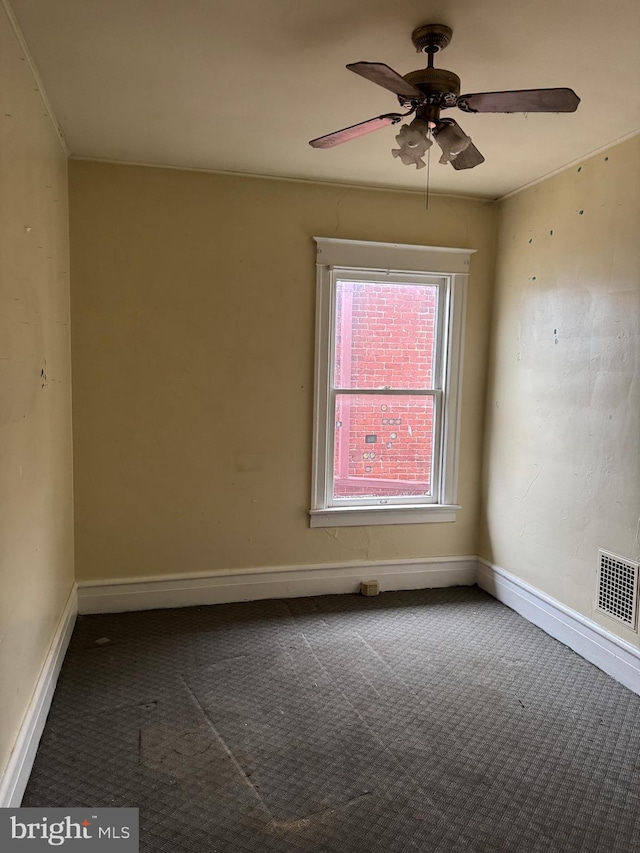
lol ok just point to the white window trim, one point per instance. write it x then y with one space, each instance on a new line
451 264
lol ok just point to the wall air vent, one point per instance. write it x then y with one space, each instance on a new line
618 588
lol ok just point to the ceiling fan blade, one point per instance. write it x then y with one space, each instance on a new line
356 130
521 101
386 77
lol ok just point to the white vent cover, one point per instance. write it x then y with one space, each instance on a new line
618 588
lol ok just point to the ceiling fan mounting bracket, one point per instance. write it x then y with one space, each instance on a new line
431 38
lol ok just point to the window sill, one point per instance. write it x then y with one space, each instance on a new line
357 516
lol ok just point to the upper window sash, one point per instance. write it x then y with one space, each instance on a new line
442 283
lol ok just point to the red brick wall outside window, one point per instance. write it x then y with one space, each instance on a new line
385 338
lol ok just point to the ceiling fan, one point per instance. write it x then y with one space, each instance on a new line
429 91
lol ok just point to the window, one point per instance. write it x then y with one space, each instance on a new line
388 353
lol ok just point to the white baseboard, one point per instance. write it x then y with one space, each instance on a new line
16 775
115 596
609 653
613 655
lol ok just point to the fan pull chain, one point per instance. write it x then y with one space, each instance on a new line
426 206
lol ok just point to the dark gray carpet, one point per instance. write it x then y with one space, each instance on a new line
435 720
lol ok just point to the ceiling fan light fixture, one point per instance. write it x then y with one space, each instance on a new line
414 141
453 141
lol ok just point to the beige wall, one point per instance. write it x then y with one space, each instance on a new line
193 299
563 414
36 521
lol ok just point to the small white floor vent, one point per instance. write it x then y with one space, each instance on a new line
618 588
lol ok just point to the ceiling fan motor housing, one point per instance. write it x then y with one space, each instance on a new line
434 81
439 86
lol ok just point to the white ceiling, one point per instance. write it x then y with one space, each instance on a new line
242 85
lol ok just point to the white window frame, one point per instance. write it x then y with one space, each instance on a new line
355 260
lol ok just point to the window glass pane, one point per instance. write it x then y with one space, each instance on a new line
384 335
383 445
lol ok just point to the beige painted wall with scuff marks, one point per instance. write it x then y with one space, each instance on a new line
36 520
562 456
193 302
